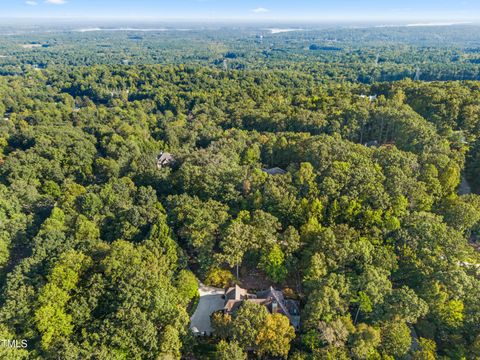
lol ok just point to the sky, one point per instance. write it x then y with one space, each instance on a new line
253 10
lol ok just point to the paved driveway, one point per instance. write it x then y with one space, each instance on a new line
211 300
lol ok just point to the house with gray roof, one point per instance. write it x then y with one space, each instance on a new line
272 299
274 171
165 159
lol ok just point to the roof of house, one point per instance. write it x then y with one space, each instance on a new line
274 296
165 159
274 171
236 293
271 293
270 298
232 305
370 97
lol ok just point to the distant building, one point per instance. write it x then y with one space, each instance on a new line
373 143
372 98
274 171
272 299
164 160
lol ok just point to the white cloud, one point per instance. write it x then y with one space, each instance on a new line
260 10
32 3
56 2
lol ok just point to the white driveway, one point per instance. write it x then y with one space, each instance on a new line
211 300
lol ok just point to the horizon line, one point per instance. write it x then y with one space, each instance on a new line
416 20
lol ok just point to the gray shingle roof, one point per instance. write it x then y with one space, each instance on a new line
274 171
165 159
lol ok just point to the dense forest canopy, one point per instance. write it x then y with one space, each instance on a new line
360 53
372 224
